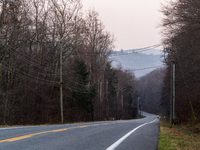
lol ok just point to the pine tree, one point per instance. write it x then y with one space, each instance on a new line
81 92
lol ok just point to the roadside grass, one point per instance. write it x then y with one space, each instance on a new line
178 137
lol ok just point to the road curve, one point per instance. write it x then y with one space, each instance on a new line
137 134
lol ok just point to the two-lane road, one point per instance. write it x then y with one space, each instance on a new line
138 134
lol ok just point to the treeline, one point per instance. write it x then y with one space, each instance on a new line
182 35
33 34
150 91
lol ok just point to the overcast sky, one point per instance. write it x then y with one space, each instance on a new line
134 23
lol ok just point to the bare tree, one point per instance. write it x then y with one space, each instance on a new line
181 25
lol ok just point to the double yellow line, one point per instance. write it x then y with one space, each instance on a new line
57 130
31 135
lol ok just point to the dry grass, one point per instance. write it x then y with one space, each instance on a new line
179 137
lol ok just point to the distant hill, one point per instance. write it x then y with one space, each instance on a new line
139 63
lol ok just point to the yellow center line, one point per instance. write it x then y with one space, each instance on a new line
31 135
82 126
105 123
94 125
51 131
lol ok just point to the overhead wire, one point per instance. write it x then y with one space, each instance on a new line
25 57
32 70
38 64
41 81
27 76
145 68
30 61
117 53
24 72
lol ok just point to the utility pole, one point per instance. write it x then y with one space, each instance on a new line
0 69
172 93
138 111
107 99
61 83
91 104
122 101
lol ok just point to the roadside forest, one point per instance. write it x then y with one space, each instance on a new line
150 91
38 38
181 32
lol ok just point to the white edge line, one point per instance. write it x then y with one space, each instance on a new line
10 128
118 142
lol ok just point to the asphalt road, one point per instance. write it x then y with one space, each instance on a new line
138 134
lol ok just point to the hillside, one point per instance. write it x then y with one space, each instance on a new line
137 62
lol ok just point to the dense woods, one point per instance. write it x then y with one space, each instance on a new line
40 38
150 91
32 36
182 35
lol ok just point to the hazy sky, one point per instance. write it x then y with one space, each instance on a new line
134 23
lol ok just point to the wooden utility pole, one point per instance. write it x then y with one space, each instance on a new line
91 103
138 111
107 111
122 101
0 69
172 93
61 83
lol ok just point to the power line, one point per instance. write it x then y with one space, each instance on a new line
117 53
28 76
35 63
31 61
145 68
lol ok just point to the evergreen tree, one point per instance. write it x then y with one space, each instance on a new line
81 93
